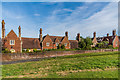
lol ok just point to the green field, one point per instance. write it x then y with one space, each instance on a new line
89 65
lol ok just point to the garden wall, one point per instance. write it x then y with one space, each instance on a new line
47 54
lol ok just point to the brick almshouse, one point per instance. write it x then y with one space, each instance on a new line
15 43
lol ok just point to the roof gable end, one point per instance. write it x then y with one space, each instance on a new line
11 33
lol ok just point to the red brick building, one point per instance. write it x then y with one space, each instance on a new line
113 40
15 43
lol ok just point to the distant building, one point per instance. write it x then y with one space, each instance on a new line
113 40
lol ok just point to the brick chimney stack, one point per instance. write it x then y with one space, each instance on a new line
19 29
114 32
94 35
107 34
78 36
3 29
40 36
66 34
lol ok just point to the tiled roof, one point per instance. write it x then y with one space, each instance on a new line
60 38
109 38
30 43
73 43
53 38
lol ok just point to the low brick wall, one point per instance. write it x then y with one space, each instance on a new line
47 54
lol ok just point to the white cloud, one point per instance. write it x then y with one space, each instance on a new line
68 10
19 17
36 14
102 22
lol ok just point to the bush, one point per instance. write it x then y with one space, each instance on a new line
116 48
78 49
81 44
63 47
34 50
27 50
58 47
100 45
88 41
85 44
6 51
94 48
110 46
38 51
88 47
23 50
103 44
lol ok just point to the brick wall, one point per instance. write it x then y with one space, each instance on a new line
25 56
12 36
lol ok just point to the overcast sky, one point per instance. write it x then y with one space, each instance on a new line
57 17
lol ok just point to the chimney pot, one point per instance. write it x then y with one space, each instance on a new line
107 34
78 36
114 32
19 29
94 34
3 29
40 36
40 30
66 34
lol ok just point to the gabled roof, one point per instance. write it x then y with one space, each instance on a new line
73 43
11 32
99 39
53 38
109 38
31 43
60 38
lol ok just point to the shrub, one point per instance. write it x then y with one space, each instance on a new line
27 50
116 48
81 44
85 44
88 47
23 50
6 51
94 48
63 47
78 49
58 47
38 51
88 41
110 46
34 50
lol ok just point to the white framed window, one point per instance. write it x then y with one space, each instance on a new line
47 44
65 44
57 44
12 42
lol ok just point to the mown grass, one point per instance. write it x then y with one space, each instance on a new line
66 66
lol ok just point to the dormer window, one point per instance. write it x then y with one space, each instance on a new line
47 44
12 42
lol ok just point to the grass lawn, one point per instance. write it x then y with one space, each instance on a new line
90 65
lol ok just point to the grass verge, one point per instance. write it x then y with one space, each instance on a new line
79 66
